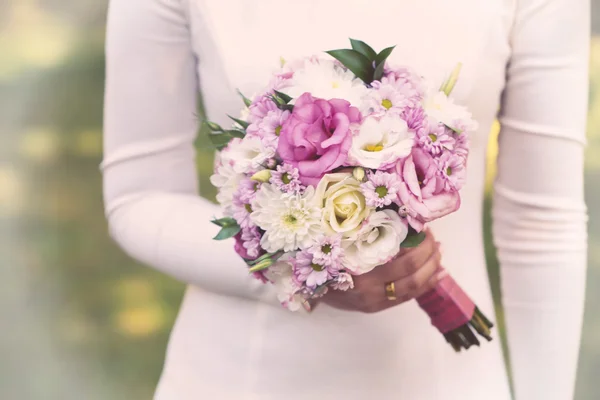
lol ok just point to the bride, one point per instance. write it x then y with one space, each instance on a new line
524 62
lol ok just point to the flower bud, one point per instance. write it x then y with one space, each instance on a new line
214 127
264 264
271 163
262 176
403 211
451 82
359 174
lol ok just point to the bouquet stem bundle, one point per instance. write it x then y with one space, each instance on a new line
455 315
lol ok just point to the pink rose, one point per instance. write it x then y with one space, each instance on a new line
316 137
418 190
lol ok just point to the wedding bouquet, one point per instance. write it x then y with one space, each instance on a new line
337 165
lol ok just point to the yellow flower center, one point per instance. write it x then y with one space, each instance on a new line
381 191
317 267
285 178
386 104
448 171
278 130
290 219
248 208
373 148
335 84
326 249
433 137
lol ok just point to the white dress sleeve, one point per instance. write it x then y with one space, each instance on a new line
150 181
539 211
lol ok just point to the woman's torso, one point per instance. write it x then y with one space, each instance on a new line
239 349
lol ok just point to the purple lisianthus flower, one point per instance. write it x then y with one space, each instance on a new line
380 189
452 171
317 136
435 138
327 250
343 282
287 179
418 193
311 273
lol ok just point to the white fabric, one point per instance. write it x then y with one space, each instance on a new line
231 339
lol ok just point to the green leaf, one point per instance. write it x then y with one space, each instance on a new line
241 123
355 62
235 133
379 72
223 222
286 99
383 55
221 140
246 100
364 49
413 239
228 232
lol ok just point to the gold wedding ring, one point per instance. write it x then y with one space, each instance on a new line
390 291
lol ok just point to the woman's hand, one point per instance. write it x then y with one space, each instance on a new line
414 272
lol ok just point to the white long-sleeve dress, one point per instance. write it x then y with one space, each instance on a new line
524 62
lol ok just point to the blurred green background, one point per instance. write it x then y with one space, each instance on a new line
78 318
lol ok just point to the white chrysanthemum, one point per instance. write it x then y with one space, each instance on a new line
226 180
327 80
290 221
381 142
442 108
376 243
247 155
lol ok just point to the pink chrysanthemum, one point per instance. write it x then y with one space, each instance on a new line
452 171
381 189
461 147
385 97
311 273
435 138
414 117
406 77
251 242
242 199
258 111
327 250
287 179
269 128
343 282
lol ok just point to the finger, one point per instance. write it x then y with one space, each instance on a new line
411 285
408 263
432 282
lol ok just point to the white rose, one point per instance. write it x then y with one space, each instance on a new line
442 108
226 180
282 277
344 205
247 154
376 243
381 142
